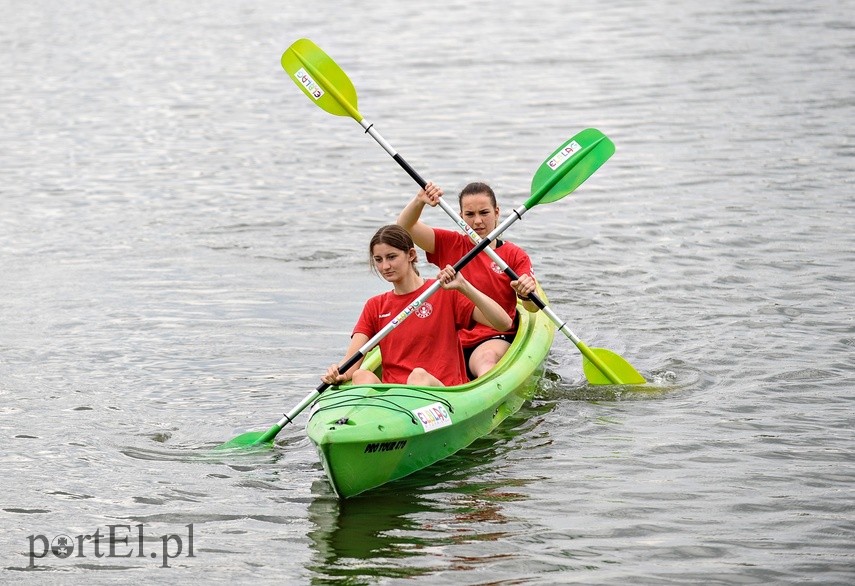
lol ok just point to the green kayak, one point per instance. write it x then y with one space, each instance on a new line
367 436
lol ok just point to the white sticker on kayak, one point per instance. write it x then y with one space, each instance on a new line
564 154
314 89
433 416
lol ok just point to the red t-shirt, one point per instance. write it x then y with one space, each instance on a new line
427 338
484 274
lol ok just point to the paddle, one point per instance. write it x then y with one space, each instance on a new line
322 80
566 171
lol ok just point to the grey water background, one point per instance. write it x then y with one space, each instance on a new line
183 251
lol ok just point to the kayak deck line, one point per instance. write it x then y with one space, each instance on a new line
332 400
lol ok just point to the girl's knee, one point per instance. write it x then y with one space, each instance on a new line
417 376
365 377
420 377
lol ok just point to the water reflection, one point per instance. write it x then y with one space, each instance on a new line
366 538
356 537
456 501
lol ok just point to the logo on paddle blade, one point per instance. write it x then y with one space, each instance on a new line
313 88
564 155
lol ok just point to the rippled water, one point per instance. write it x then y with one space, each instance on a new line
182 239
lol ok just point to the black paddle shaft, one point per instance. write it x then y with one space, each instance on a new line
410 171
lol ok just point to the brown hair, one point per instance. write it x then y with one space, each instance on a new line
394 236
477 188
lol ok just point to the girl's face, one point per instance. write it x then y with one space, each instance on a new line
478 211
392 263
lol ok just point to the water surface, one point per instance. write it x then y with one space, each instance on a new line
182 241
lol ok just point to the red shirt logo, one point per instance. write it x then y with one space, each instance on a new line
424 310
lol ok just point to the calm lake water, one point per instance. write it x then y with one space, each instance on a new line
183 251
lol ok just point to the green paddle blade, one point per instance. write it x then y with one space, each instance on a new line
246 440
320 78
624 371
570 165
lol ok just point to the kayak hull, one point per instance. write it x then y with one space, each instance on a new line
367 436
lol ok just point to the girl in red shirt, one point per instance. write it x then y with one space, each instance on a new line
424 350
483 346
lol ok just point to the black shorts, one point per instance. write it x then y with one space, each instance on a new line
467 352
